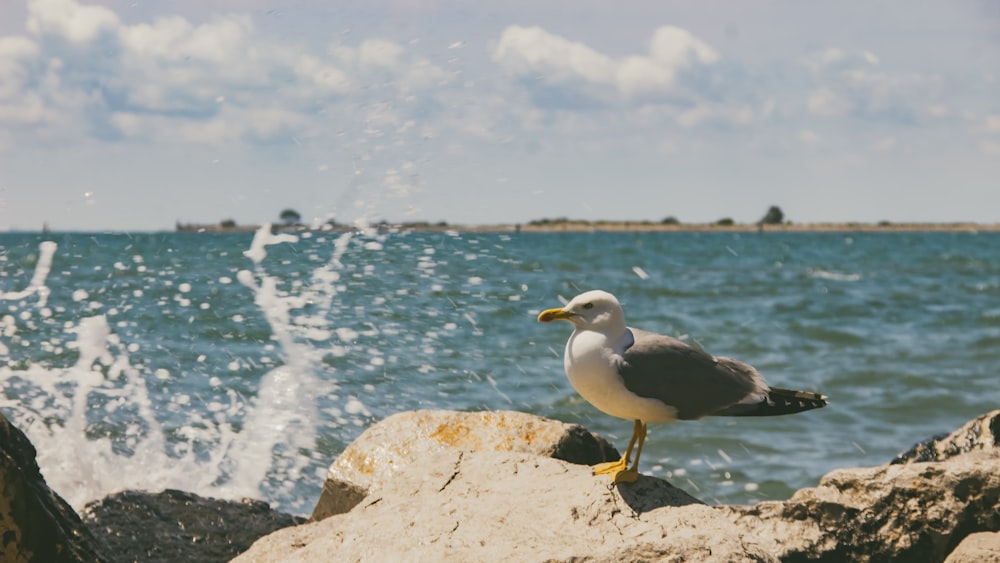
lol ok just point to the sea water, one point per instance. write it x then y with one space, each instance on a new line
241 364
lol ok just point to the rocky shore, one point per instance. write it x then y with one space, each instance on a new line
508 486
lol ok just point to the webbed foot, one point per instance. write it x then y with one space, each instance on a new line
612 467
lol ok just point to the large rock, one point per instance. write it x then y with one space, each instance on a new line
916 512
36 524
982 547
507 506
178 526
504 504
400 440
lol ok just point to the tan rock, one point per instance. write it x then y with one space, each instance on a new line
915 512
506 506
510 506
499 503
979 434
983 547
402 439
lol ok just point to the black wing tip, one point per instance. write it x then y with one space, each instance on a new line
780 401
799 400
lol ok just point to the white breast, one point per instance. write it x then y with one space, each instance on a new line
590 362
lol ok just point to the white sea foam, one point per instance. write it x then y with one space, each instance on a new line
640 272
46 250
264 238
83 468
819 273
232 445
355 406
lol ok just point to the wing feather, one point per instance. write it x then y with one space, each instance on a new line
685 377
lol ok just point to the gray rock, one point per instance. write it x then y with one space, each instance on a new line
36 524
178 526
505 504
409 437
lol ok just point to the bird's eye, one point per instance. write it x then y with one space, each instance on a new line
588 306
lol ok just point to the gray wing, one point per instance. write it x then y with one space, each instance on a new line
685 377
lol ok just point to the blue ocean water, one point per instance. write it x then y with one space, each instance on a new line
229 367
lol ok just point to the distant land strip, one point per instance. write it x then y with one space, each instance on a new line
580 226
626 226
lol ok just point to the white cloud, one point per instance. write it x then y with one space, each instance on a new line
380 53
174 39
14 48
533 53
422 74
17 55
83 72
528 51
66 18
327 78
169 69
674 47
637 77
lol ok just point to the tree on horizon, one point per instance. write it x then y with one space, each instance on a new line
774 216
290 217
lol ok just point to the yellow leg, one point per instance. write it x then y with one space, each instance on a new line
632 473
619 471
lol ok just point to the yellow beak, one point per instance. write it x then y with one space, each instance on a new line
550 315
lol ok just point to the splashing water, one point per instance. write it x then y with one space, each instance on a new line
97 430
46 250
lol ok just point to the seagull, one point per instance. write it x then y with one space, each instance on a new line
648 377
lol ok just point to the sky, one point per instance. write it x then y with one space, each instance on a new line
136 115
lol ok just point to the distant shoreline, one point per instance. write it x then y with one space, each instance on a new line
629 226
574 226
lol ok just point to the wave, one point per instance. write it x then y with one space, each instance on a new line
819 273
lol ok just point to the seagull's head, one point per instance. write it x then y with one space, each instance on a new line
594 310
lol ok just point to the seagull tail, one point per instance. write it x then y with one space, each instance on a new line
777 401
